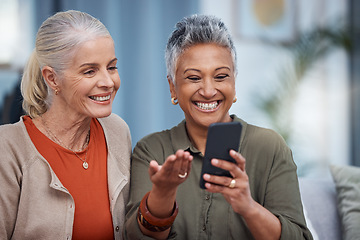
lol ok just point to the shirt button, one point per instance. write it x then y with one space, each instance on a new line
207 197
117 228
204 228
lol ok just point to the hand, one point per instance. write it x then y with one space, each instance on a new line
236 190
166 178
172 173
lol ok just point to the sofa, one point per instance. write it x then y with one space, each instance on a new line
332 206
319 200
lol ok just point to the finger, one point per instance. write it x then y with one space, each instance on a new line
187 158
214 188
189 161
180 167
169 163
162 171
229 166
233 168
175 164
218 180
223 185
184 159
154 167
240 160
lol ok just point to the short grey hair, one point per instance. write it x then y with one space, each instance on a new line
57 41
193 30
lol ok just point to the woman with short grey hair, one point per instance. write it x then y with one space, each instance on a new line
194 30
65 166
258 199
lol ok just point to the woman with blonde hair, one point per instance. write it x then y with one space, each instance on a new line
65 166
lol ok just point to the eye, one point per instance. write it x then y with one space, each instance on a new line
89 72
113 68
193 78
221 77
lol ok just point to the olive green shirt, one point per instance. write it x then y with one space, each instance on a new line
203 215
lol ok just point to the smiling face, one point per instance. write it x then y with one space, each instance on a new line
204 84
88 87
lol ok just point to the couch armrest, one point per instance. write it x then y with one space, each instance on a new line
319 201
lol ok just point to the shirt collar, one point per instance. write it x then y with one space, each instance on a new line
180 139
243 130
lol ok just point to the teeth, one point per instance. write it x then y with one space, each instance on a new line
207 106
100 99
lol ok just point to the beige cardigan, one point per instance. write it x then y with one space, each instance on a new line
33 202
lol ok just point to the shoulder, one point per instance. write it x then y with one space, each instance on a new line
263 135
12 132
114 125
174 138
11 127
155 146
155 141
16 145
260 138
113 121
115 130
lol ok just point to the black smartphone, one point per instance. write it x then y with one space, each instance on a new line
221 138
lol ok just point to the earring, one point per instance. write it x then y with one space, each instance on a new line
173 99
235 99
56 91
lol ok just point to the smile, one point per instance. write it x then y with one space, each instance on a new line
100 99
207 106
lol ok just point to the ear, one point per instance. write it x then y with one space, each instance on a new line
172 87
50 77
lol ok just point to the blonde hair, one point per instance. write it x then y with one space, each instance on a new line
56 42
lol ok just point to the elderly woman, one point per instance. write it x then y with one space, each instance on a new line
65 166
260 201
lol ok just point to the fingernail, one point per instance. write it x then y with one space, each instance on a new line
215 161
206 176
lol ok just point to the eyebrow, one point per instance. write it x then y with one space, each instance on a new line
228 68
191 69
114 60
95 64
197 70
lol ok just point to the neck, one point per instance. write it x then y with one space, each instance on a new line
71 134
198 134
197 137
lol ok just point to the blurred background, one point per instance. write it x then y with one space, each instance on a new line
298 61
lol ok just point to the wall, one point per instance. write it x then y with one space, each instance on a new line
319 108
318 113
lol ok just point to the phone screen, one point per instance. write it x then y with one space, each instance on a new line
221 138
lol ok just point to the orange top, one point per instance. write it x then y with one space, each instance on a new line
88 187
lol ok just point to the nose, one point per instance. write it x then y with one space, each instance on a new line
106 80
208 89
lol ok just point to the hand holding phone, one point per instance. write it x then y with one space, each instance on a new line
221 138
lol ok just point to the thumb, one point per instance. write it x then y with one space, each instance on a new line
154 167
